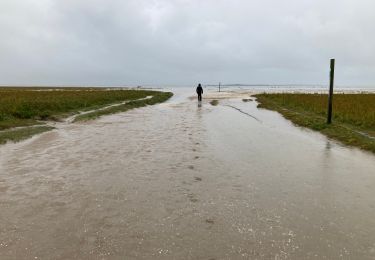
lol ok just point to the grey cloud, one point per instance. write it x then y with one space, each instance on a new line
114 42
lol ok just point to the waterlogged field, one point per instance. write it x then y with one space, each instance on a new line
20 107
353 114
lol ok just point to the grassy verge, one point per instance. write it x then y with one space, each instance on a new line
16 135
23 109
353 118
156 98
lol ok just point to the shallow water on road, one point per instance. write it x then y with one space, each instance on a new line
181 181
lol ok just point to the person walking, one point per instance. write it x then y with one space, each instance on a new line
199 92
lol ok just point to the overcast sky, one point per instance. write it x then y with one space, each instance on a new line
139 42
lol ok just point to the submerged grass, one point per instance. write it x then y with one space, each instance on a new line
21 108
16 135
156 98
353 115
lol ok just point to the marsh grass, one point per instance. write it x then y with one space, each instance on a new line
353 115
19 134
25 107
156 98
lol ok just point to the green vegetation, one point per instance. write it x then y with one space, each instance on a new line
19 134
214 102
156 98
353 115
23 107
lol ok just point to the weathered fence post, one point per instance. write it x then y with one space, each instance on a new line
330 97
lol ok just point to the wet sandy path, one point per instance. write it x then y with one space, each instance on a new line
177 181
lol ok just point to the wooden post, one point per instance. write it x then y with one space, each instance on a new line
330 97
219 86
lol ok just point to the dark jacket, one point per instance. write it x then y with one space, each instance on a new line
199 90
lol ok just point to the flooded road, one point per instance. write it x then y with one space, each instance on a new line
181 181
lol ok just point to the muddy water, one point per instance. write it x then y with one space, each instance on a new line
178 181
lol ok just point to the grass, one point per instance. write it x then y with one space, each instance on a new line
16 135
353 115
156 98
26 107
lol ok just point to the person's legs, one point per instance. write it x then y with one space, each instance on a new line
199 97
